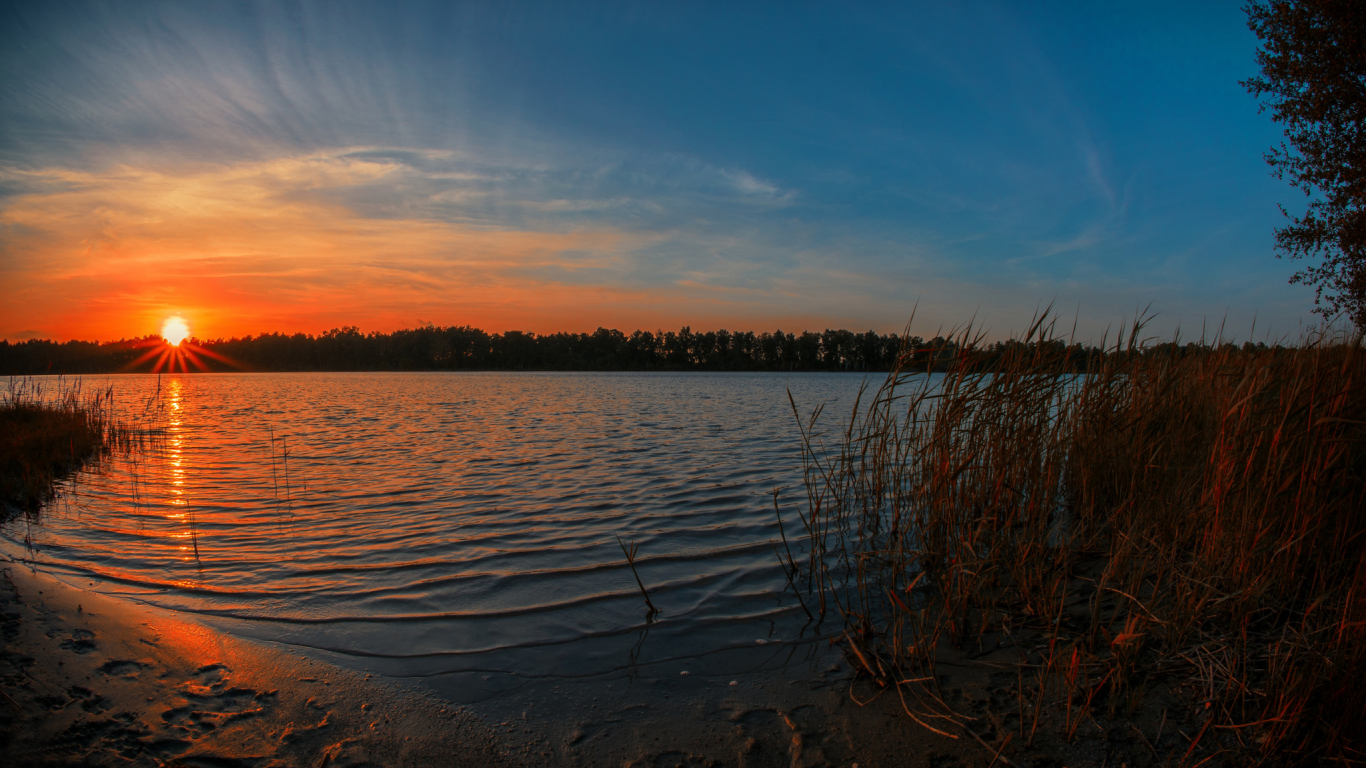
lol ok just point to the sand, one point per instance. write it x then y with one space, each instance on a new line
89 679
96 680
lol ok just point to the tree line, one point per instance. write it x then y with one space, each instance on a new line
433 348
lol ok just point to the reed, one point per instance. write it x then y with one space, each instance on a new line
1188 519
630 551
45 435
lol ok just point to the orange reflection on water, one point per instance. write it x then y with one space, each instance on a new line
189 537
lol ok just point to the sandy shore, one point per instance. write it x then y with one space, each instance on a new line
90 679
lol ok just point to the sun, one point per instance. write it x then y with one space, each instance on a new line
174 330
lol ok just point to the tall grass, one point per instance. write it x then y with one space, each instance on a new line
48 432
1188 518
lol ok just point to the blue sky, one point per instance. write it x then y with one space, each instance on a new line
560 166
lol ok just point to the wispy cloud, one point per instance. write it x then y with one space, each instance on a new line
294 165
365 235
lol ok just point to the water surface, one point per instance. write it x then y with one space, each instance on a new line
460 526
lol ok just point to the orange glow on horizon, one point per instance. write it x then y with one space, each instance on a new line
268 246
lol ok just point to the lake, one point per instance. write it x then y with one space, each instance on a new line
460 528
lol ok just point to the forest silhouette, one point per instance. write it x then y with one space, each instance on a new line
433 348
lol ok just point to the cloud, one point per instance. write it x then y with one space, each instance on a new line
258 243
749 185
381 236
371 236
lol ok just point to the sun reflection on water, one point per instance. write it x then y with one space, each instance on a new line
480 510
188 536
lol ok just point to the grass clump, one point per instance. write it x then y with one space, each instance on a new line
43 438
1179 523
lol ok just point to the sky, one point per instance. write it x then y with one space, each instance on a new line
294 167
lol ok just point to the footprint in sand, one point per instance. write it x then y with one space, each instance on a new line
51 703
88 699
120 668
9 625
81 641
211 702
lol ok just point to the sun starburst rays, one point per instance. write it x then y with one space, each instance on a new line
184 357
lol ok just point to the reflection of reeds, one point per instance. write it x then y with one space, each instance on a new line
45 435
1181 515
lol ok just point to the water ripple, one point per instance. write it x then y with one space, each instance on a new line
478 511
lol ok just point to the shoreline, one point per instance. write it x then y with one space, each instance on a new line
96 679
99 680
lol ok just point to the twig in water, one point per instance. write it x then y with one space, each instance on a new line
631 561
791 561
284 456
274 478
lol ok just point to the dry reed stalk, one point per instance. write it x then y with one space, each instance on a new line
630 553
1176 511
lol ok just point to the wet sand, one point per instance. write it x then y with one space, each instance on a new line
777 718
90 679
97 680
93 679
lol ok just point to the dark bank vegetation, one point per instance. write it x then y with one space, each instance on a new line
1313 82
1173 535
464 348
45 436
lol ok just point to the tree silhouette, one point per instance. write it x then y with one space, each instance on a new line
464 348
1313 81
